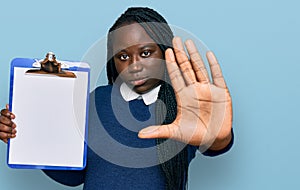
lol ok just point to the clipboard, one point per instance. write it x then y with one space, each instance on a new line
51 117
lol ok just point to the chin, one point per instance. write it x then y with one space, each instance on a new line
141 90
146 87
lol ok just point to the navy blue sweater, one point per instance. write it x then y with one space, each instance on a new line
116 157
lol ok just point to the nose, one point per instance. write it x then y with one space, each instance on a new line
135 65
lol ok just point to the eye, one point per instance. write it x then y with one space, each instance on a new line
123 57
146 53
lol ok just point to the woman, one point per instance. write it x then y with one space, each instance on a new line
144 59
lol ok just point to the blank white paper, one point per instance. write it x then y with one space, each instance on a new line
51 119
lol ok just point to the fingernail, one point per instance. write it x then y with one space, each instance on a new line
148 130
211 56
189 42
176 38
170 54
177 42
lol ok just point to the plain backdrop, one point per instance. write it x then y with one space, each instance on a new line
257 45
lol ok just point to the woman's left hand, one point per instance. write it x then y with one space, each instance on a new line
204 107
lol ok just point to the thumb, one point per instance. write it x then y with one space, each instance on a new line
157 131
12 116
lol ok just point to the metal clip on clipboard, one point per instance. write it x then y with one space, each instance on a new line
49 65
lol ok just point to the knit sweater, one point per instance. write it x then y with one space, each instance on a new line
116 157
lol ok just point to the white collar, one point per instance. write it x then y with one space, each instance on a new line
128 94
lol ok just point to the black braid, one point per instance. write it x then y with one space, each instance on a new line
175 169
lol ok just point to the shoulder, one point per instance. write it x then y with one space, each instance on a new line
101 91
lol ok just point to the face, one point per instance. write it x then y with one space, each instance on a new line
138 59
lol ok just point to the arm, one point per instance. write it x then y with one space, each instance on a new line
67 177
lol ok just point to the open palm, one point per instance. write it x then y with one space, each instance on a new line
204 107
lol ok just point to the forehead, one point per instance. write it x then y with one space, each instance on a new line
130 35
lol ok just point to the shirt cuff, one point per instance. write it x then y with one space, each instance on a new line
209 152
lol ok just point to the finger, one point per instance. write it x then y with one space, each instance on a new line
7 106
183 62
12 116
5 128
174 72
159 131
215 69
5 136
6 120
197 62
7 113
9 128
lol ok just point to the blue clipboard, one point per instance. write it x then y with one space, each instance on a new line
51 117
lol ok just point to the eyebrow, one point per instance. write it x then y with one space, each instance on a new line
143 46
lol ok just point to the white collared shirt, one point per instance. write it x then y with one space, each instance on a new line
128 94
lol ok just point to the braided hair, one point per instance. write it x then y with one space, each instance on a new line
175 169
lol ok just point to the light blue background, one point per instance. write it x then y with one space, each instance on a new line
256 42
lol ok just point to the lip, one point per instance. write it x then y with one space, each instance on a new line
138 82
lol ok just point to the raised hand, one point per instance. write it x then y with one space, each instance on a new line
7 126
204 107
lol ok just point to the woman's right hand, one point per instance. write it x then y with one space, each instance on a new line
7 126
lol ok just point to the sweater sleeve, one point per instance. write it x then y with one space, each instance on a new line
209 152
67 177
